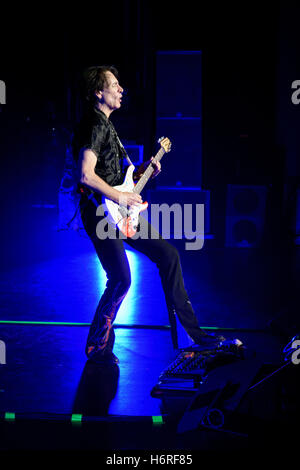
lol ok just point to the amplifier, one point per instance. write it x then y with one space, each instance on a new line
136 153
181 196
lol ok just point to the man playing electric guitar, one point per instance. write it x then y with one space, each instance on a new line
99 154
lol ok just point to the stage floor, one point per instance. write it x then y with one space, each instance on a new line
57 278
46 370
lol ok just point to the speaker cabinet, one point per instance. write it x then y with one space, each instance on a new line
176 195
179 115
182 166
178 83
245 215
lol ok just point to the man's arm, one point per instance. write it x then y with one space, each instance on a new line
88 177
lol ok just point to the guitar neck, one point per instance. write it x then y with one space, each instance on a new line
148 173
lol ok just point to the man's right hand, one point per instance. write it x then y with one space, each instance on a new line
129 199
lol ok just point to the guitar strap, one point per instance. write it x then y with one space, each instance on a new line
125 154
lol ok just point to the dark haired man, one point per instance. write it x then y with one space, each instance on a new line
99 153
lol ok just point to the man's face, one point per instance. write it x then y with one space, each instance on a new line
111 95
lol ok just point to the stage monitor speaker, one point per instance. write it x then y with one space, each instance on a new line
248 397
221 393
245 215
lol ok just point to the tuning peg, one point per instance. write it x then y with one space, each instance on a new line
160 139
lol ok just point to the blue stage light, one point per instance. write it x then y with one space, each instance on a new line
128 310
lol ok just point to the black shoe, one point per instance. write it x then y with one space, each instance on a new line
113 358
210 339
104 357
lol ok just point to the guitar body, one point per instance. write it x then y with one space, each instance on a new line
126 219
119 215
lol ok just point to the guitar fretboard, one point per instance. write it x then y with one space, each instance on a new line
148 172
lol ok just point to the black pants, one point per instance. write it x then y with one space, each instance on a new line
112 256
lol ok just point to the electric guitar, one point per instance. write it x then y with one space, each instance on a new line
127 219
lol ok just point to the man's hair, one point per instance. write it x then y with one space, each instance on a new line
95 79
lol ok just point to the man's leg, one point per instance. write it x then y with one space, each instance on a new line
167 259
113 259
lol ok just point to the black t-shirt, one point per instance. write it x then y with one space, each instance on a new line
96 132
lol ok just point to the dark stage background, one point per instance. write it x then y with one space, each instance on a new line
236 103
249 123
247 138
233 118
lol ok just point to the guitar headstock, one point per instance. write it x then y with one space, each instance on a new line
165 143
